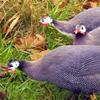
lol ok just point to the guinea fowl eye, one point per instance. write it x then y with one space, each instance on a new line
82 28
42 20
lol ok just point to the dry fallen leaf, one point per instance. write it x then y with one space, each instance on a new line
39 41
90 5
93 4
14 22
29 42
63 4
10 24
19 43
38 55
55 2
97 1
1 16
3 94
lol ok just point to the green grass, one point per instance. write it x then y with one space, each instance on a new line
20 86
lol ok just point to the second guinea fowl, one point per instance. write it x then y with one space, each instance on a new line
75 68
82 37
90 18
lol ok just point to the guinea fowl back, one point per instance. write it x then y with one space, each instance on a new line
69 71
89 18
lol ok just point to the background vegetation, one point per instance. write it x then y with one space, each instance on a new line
20 18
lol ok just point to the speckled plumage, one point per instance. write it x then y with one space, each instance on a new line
89 18
75 68
91 38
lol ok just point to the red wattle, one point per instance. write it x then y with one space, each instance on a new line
14 71
40 23
82 33
6 68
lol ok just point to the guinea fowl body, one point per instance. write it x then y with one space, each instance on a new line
91 38
75 68
89 18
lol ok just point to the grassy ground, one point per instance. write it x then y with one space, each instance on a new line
20 86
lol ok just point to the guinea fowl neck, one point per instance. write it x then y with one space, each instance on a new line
54 22
79 35
80 39
32 69
64 27
60 23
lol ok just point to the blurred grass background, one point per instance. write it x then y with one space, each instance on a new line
21 17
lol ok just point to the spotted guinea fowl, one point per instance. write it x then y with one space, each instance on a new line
75 68
90 18
84 38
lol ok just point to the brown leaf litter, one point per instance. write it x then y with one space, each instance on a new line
3 95
29 42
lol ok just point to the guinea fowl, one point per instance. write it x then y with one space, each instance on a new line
90 18
75 68
84 38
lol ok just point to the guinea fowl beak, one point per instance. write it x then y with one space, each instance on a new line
76 31
12 70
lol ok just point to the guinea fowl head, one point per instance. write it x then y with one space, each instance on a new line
80 29
45 20
12 65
